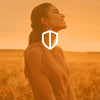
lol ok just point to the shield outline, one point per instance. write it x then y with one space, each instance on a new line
49 31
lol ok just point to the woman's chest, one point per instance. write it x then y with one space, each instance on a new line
54 65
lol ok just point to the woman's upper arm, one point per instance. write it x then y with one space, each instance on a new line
33 57
41 82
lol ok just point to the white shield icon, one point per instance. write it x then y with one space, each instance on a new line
50 31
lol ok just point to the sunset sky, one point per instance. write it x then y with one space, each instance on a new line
82 19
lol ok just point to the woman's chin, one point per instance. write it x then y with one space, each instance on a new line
59 28
64 26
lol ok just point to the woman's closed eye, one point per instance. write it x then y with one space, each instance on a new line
56 11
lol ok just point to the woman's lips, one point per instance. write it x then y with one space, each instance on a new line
63 20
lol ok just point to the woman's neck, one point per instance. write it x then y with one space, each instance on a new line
46 36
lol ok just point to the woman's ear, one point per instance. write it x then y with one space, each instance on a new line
44 21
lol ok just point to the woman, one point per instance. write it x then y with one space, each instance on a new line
46 69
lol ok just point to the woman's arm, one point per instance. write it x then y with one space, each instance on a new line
40 80
61 52
71 93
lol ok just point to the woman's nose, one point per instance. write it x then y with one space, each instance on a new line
62 15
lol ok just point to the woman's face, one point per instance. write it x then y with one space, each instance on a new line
55 19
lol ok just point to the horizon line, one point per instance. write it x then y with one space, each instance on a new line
63 50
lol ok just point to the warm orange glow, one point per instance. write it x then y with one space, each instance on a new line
82 19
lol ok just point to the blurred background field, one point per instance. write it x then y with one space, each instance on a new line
84 68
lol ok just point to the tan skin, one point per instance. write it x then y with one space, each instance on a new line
54 22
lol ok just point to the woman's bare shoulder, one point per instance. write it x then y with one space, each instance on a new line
32 51
59 49
33 58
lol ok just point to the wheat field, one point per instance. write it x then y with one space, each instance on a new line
84 69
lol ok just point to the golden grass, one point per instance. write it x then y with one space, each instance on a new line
84 68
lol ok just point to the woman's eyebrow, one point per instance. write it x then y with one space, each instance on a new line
55 9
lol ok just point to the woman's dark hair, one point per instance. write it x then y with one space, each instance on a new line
38 12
